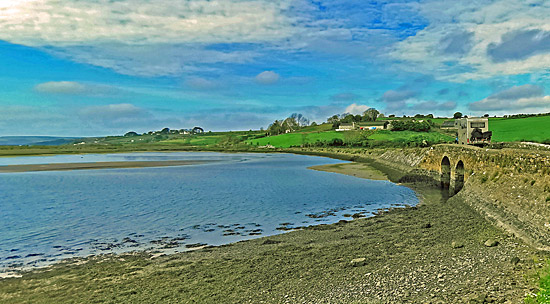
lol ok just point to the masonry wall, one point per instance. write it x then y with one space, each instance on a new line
511 187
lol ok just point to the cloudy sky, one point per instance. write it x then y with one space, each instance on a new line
101 67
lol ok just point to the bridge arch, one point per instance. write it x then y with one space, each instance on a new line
445 173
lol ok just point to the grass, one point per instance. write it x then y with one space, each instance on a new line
522 129
295 139
410 135
203 140
543 296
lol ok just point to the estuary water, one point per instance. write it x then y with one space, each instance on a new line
49 216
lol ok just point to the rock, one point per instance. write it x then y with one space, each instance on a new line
269 242
358 262
491 243
456 245
426 225
515 260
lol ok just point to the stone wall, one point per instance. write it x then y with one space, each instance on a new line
511 187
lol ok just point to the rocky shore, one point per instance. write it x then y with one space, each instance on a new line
441 251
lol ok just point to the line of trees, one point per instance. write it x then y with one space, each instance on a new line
369 115
293 123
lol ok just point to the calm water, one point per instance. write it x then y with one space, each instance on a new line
48 216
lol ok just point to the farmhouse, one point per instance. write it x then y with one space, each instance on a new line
346 127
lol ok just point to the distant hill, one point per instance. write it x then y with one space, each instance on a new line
35 140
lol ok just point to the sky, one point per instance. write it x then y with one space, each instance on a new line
106 67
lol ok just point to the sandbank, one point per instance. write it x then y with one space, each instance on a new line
97 165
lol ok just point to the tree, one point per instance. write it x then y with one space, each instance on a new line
348 118
486 115
165 131
290 124
457 115
275 128
131 133
300 119
370 114
333 119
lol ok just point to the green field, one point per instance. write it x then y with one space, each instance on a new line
203 140
433 137
535 129
295 139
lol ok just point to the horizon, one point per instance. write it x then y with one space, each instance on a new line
79 69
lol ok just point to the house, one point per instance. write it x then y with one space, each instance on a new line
346 127
473 131
373 125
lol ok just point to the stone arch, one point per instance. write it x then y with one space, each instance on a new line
459 176
445 173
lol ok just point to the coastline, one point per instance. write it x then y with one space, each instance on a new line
434 253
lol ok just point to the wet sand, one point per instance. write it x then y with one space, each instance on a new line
360 170
97 165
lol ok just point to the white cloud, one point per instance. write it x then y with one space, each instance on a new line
152 60
356 109
267 77
114 113
60 87
526 98
199 83
67 22
78 88
478 27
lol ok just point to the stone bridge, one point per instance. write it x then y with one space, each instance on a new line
511 187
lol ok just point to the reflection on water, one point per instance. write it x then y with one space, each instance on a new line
47 216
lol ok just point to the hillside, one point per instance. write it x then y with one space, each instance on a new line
534 129
35 140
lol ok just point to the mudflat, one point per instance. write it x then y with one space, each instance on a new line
360 170
97 165
440 251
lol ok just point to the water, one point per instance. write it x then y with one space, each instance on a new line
48 216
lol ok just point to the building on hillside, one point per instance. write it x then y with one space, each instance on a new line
448 124
346 127
373 125
473 131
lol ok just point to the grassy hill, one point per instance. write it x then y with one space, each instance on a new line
296 139
536 129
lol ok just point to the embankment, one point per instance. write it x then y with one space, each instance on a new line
510 187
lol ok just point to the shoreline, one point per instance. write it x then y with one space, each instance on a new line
433 252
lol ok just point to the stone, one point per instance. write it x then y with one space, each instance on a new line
358 262
491 243
456 245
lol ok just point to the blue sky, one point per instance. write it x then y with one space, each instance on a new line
101 67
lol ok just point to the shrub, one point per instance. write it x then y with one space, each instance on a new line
411 125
